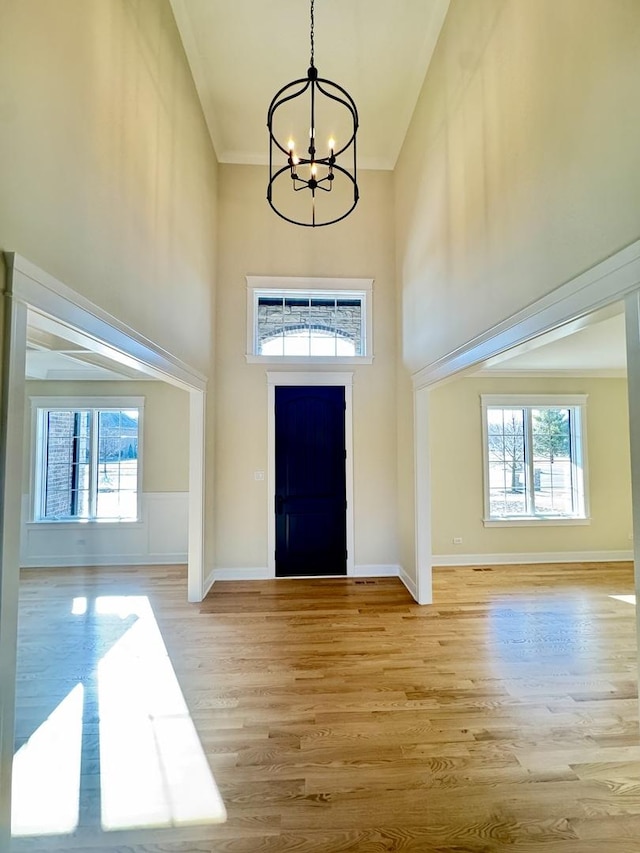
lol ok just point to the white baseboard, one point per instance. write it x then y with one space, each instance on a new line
409 583
259 573
528 558
208 583
377 570
88 560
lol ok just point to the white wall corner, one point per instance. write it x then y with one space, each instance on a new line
208 583
409 583
632 334
422 485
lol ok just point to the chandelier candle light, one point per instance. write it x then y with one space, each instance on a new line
312 175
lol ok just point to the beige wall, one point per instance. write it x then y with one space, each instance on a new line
165 439
161 532
107 182
253 240
521 167
108 178
457 473
107 173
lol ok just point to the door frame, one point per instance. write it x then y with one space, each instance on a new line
275 378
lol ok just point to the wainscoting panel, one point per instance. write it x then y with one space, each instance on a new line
160 537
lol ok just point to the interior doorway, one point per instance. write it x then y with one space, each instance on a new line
37 300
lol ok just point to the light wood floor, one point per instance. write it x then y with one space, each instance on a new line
337 715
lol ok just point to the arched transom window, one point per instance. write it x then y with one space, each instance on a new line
295 323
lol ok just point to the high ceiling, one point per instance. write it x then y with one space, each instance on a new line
242 51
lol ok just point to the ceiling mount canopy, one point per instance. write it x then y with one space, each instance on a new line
310 187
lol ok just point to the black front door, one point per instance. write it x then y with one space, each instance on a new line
310 499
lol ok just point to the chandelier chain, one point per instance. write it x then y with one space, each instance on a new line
312 28
312 172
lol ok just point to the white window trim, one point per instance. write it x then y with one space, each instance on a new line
70 403
576 401
292 284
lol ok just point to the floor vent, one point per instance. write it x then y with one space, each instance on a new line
483 569
366 581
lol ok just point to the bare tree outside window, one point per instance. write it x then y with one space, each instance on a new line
507 470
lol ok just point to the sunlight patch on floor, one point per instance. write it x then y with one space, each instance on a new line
79 606
46 773
630 599
153 769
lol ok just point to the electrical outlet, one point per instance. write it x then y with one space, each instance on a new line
258 475
457 540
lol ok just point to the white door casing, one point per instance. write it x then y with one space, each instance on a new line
275 378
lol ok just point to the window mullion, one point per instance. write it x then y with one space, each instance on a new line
255 328
93 476
528 459
574 461
43 461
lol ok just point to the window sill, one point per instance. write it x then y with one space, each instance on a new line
66 523
543 521
309 359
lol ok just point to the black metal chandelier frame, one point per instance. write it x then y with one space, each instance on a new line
322 170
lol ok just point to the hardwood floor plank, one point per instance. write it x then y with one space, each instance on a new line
337 715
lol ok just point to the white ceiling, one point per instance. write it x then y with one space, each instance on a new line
592 345
242 51
56 352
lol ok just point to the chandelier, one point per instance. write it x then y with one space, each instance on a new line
316 186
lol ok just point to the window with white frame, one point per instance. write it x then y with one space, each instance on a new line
87 459
319 321
534 458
